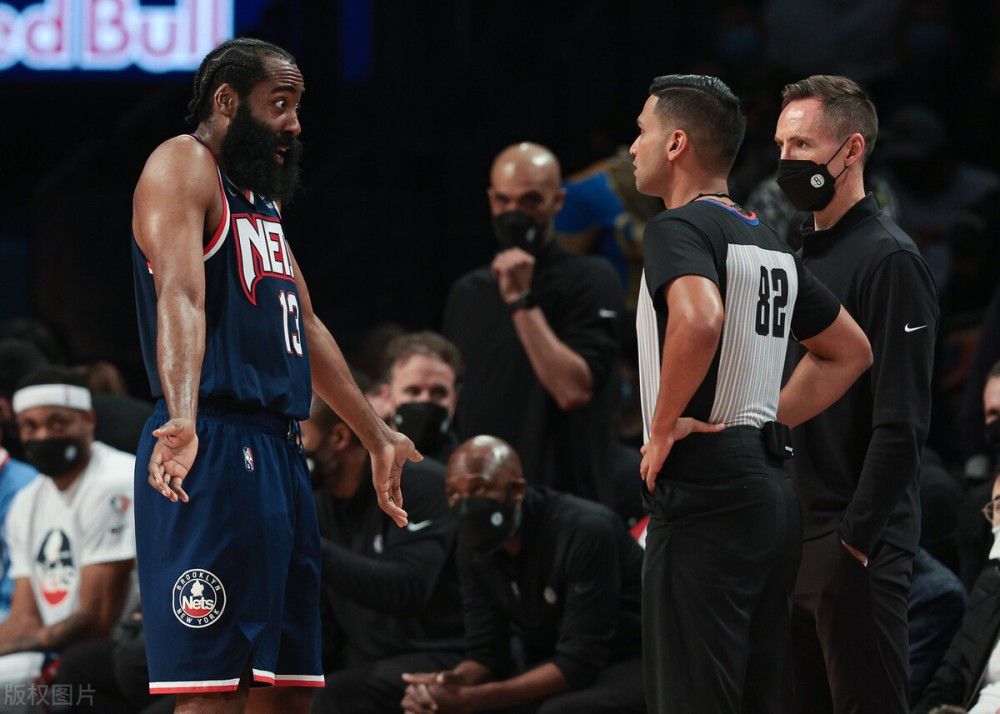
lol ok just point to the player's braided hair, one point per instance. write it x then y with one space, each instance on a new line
238 62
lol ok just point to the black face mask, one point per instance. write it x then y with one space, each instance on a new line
426 423
54 457
515 229
247 154
484 525
808 185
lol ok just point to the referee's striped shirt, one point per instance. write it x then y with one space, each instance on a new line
767 294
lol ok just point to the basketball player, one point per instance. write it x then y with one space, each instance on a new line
228 544
720 297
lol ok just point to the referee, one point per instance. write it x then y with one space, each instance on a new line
856 465
720 296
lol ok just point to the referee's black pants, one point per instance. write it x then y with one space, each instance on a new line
849 630
722 550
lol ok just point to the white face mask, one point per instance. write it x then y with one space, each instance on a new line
995 550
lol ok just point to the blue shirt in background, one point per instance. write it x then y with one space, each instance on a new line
14 475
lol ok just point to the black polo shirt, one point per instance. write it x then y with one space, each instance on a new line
856 464
392 590
582 299
572 594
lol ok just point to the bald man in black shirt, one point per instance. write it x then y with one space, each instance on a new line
560 573
538 329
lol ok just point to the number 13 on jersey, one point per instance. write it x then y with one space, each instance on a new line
290 321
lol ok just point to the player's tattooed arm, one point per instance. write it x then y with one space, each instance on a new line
176 198
333 382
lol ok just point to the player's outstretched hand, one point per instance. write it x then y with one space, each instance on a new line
173 455
657 449
387 472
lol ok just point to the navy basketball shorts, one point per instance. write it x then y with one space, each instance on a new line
230 580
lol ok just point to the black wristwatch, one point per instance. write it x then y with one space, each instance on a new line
525 302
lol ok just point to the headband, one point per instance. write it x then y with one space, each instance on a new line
52 395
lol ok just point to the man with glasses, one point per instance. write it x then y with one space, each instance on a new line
969 675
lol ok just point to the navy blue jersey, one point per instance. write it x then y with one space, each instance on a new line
255 347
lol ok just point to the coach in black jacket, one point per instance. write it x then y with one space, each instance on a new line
856 465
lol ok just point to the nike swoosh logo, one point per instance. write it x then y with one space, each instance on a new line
907 328
417 526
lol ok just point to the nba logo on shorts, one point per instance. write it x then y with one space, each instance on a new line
248 458
198 598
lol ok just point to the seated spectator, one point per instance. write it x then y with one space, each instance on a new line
941 495
422 371
70 532
973 535
969 675
18 359
934 185
980 449
392 592
604 215
120 418
934 612
14 475
560 573
114 672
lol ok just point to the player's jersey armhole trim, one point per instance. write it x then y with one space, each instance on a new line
219 237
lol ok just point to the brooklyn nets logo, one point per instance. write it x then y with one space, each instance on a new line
198 598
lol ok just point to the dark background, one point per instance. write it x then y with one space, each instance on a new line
405 106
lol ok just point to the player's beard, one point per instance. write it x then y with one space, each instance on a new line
248 150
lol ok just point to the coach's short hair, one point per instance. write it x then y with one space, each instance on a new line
421 343
708 112
847 108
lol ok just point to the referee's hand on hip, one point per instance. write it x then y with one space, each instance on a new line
657 449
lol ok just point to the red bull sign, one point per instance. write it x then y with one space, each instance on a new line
108 35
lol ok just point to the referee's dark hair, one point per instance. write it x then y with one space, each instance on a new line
706 109
238 62
847 108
